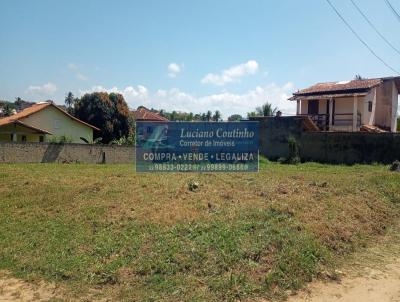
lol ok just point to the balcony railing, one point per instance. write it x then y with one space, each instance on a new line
339 119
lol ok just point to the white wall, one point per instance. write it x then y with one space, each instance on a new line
59 124
386 105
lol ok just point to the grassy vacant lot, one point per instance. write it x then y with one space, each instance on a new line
102 231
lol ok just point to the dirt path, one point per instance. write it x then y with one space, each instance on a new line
375 285
370 276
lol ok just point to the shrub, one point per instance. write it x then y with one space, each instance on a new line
63 139
294 154
128 140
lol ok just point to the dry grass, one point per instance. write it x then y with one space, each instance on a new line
148 237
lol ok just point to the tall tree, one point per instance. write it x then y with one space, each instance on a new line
174 116
69 101
208 115
266 110
217 116
109 112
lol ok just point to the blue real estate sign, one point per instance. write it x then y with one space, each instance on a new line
197 146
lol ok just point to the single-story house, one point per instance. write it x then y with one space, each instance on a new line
358 105
43 121
144 114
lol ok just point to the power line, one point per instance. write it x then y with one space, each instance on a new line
359 38
374 27
393 9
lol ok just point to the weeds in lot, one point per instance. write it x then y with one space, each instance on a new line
149 237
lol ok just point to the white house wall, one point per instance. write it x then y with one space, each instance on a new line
59 124
368 118
304 107
385 102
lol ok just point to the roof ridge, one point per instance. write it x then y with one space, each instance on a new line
355 84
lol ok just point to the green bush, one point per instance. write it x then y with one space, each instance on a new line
294 153
125 140
63 139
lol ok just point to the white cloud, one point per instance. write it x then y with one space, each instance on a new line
174 69
130 93
232 74
161 93
81 77
72 66
43 90
227 102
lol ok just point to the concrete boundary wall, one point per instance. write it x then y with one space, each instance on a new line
350 147
11 152
326 147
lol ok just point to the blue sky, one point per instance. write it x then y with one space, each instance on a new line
188 55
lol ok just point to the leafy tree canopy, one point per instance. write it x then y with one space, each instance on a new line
217 116
108 112
235 118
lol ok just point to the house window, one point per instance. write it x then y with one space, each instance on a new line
57 124
41 138
11 137
23 138
370 106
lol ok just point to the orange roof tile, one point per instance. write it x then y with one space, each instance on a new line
36 108
339 87
144 114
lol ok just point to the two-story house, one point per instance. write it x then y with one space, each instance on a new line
351 105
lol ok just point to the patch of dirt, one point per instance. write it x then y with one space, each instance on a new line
370 276
381 285
13 289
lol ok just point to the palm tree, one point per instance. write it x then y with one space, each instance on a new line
69 101
208 115
266 110
217 116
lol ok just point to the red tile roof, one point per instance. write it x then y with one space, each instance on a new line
144 114
339 87
36 108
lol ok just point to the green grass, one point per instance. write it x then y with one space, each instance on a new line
102 231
